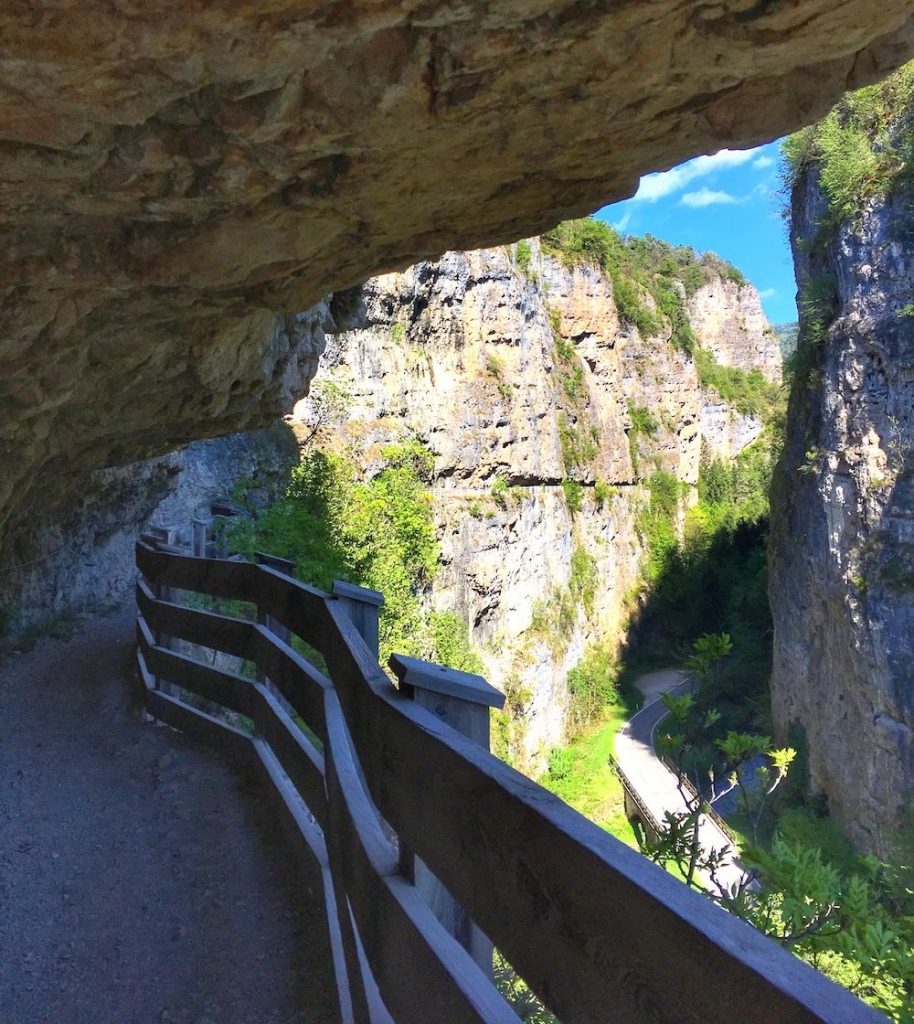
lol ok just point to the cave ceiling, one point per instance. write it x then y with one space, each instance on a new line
177 178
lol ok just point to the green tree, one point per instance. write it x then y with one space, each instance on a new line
852 918
707 769
376 531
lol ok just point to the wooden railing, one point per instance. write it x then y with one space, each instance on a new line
598 932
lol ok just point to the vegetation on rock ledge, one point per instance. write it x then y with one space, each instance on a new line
378 532
651 279
863 147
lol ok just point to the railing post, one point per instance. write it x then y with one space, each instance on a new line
463 700
162 540
263 617
363 606
199 531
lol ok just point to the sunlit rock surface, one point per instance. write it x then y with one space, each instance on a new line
519 376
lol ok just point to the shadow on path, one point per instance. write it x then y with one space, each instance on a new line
142 878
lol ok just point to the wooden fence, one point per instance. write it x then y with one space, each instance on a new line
597 931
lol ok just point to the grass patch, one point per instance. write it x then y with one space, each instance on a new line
581 776
863 147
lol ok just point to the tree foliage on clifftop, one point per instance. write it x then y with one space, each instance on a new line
640 267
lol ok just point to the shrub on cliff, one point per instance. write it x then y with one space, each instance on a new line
377 532
638 267
863 147
748 392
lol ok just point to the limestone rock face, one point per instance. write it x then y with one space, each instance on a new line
223 381
729 318
87 556
519 376
175 177
842 557
725 431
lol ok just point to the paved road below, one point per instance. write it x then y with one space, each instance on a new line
141 877
655 783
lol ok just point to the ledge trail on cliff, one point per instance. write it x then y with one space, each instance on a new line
142 881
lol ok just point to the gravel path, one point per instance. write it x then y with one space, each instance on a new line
142 879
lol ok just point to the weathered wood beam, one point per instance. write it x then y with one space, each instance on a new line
422 973
579 915
299 759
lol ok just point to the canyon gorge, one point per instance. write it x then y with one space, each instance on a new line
176 182
547 414
166 218
326 280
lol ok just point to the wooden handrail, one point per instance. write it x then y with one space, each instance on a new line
596 930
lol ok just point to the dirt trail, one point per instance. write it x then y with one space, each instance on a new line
142 878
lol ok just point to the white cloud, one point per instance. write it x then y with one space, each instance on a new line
707 197
762 162
768 293
665 183
621 224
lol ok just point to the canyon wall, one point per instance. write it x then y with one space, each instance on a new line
731 323
85 556
842 548
516 370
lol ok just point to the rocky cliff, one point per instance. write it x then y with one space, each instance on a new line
842 556
175 178
546 412
732 325
85 557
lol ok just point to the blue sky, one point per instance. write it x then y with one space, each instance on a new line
725 202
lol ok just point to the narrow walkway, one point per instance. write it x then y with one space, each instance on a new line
142 879
655 783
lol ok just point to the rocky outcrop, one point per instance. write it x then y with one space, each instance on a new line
517 372
175 179
842 556
86 557
725 431
728 316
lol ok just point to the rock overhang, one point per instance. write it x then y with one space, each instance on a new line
176 178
